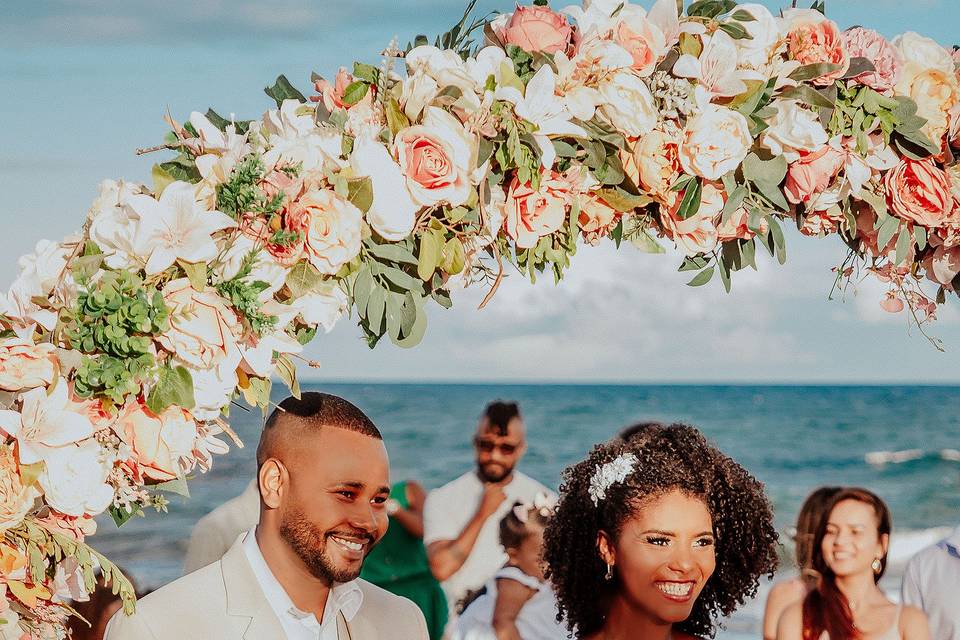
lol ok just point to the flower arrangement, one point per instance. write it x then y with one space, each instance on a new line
122 348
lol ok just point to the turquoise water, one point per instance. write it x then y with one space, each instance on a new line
793 438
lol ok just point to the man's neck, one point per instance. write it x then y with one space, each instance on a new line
307 592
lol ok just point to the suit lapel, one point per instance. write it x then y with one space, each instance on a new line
246 604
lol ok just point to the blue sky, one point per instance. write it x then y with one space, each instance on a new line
85 82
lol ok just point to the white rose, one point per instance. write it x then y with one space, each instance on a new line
755 52
418 91
793 129
715 142
203 326
607 55
393 212
114 225
628 104
919 54
74 479
333 227
295 139
213 388
323 308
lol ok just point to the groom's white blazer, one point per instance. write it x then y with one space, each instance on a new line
223 601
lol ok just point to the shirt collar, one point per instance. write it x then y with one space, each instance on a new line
345 597
953 540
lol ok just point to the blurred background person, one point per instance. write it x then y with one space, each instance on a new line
103 603
216 532
850 555
932 583
787 592
399 561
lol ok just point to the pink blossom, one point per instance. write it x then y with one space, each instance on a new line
816 43
537 29
919 192
812 174
531 214
867 43
332 95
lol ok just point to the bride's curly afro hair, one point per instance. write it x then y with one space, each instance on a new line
669 458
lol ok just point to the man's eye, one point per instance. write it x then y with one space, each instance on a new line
346 494
380 500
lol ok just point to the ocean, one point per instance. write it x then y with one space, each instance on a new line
900 441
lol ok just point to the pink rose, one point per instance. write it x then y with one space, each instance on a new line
290 249
537 29
812 42
698 233
919 192
332 95
643 41
436 157
735 228
530 214
812 173
158 441
596 219
867 43
24 365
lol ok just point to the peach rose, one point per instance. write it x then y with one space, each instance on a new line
333 227
158 442
812 40
919 192
596 219
653 162
867 43
203 326
644 41
530 214
332 95
436 157
536 29
286 253
812 174
698 233
821 222
935 93
715 142
24 365
735 228
16 500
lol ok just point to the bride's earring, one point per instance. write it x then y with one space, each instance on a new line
609 574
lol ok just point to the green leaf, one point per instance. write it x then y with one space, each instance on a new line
397 120
283 90
401 278
362 287
161 179
903 245
122 516
303 279
691 200
366 72
414 331
813 71
452 259
733 202
778 240
859 65
920 237
174 387
375 307
84 267
355 92
394 314
886 232
701 278
742 16
257 392
177 485
360 193
769 171
622 200
737 32
429 256
725 274
773 193
646 243
392 252
196 273
808 96
287 371
693 263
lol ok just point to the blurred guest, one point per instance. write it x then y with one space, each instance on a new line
850 555
517 603
787 592
399 562
932 582
216 532
461 518
102 604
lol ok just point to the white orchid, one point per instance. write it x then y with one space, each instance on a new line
114 225
220 151
580 99
541 106
716 69
45 422
294 139
176 227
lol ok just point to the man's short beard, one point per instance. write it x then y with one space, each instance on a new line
310 545
486 477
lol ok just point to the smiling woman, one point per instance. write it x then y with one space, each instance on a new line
657 536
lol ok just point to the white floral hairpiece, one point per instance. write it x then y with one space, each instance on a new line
610 474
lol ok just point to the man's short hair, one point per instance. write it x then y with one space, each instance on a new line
499 414
314 410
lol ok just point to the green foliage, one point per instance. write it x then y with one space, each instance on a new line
283 90
241 193
245 296
112 378
174 387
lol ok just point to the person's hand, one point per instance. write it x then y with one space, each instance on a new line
493 497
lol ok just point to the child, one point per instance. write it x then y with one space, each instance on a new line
517 603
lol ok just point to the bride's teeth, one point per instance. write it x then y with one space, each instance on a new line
675 589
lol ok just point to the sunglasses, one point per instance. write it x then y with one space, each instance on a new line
488 446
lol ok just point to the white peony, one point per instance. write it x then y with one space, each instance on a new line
74 479
628 104
323 308
766 36
793 129
715 142
418 91
294 138
393 212
919 54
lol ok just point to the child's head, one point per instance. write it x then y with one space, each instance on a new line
521 534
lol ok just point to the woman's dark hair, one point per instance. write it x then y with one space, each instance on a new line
514 531
813 510
826 608
675 457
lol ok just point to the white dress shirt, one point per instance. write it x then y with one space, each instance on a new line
344 598
932 582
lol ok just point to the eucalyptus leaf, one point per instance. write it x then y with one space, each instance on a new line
646 243
174 387
904 241
287 371
429 256
375 307
702 278
813 71
355 92
360 193
283 90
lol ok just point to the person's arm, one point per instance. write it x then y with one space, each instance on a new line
511 596
913 624
411 518
447 556
790 626
781 596
910 589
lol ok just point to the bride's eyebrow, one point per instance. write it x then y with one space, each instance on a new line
661 532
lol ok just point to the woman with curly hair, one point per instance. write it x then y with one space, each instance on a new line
850 555
655 537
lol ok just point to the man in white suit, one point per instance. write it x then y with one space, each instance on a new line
323 477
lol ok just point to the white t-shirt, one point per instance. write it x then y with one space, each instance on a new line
932 582
449 509
537 619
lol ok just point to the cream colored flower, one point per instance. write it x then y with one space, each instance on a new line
24 365
158 442
203 327
794 129
393 212
715 142
74 479
936 94
919 54
45 423
293 139
628 104
16 500
333 229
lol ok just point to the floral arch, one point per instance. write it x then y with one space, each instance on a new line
511 141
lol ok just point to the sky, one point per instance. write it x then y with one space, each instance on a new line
86 82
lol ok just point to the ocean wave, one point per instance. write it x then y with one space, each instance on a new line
881 458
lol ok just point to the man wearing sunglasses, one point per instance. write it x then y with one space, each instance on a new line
462 518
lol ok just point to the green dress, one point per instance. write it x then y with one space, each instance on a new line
399 565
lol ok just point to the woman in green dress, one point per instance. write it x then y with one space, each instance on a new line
399 562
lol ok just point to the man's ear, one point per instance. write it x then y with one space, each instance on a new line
274 481
605 548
